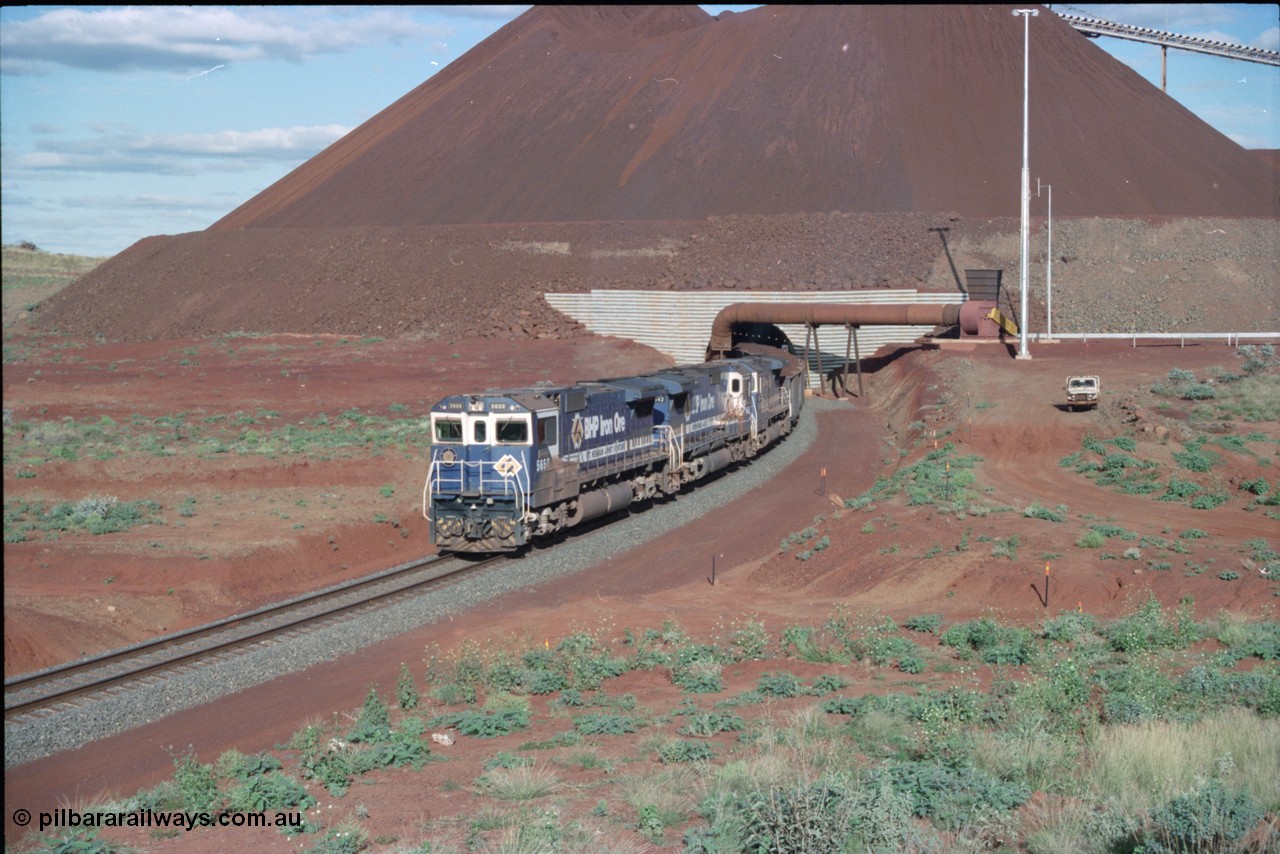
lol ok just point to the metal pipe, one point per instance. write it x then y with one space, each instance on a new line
825 314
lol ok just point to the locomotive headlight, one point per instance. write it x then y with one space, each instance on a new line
448 456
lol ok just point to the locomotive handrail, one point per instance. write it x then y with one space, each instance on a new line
436 480
426 491
673 442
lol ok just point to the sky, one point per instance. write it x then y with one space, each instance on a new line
122 122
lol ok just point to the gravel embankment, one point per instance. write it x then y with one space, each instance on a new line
71 728
1122 275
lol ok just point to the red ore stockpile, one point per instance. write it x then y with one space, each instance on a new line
594 114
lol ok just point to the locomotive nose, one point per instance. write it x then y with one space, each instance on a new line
477 526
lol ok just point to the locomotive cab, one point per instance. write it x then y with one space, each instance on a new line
485 451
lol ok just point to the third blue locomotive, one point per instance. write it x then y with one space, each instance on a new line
508 467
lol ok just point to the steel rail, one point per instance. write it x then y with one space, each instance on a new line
96 666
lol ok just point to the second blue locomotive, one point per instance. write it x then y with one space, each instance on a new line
508 467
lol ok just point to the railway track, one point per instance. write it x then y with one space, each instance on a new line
30 694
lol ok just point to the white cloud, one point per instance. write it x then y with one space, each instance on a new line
271 142
180 154
481 13
148 202
1268 39
186 39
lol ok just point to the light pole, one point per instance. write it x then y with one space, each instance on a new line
1027 15
1048 266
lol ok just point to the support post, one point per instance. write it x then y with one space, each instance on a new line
1027 15
848 340
807 330
857 360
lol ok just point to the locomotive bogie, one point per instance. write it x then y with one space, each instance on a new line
508 467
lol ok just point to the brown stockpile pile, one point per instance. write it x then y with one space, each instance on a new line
462 281
575 113
1270 155
427 218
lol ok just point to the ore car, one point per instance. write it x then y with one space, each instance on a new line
508 467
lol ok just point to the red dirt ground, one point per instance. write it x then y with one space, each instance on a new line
1002 410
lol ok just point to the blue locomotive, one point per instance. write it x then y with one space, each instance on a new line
508 467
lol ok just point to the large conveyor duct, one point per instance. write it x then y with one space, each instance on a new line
825 314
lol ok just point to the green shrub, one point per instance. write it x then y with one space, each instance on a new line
911 664
197 785
1035 511
590 671
1179 489
1256 487
607 724
1091 539
679 750
1114 531
800 642
271 791
780 684
486 724
842 705
406 690
1208 819
1148 628
503 759
882 649
707 724
347 838
1007 548
800 819
995 644
374 723
826 683
541 682
701 677
750 641
929 623
1069 627
1199 391
955 796
1262 551
1195 459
